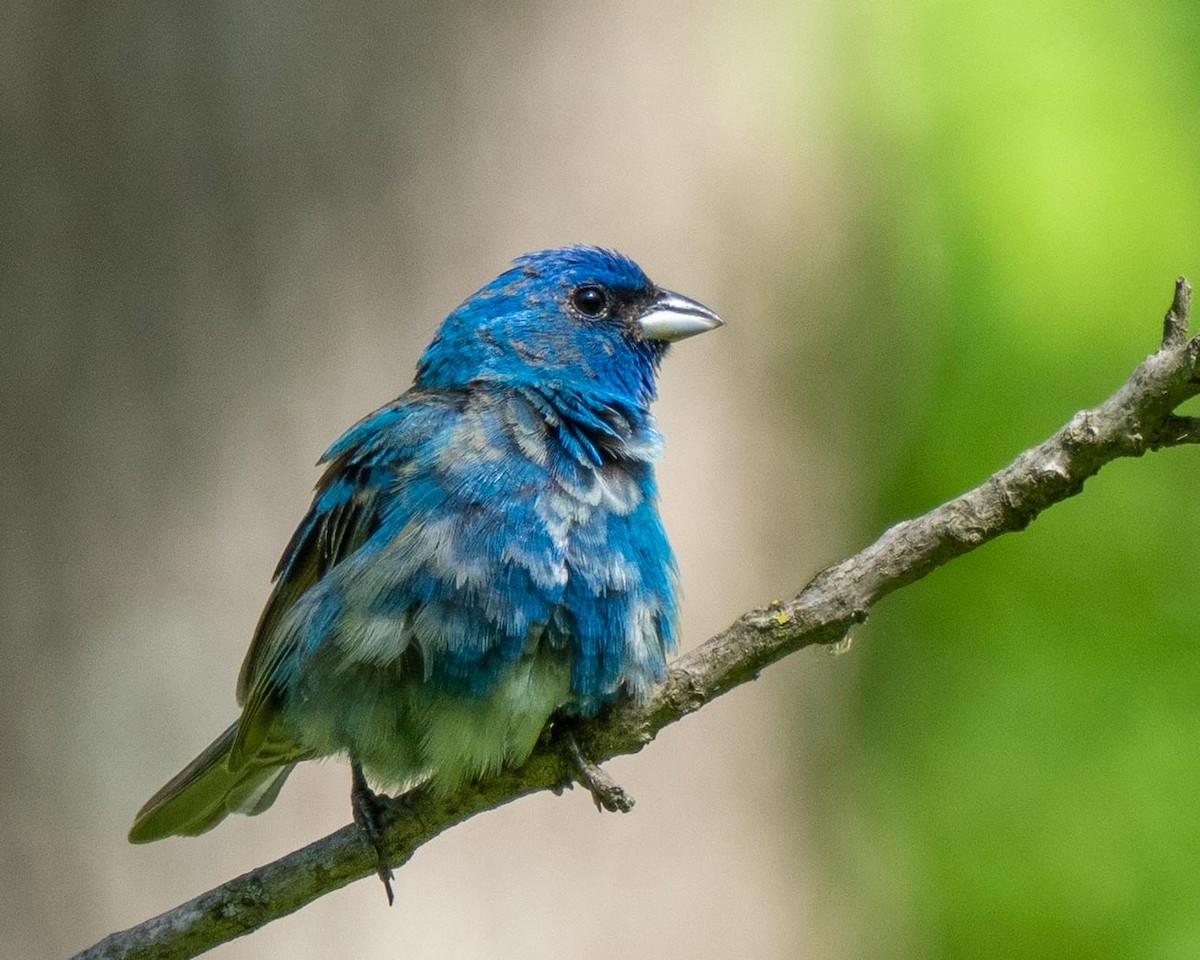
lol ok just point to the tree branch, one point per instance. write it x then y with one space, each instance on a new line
1138 417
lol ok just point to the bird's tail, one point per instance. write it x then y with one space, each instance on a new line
204 792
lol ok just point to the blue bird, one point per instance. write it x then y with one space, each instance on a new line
482 553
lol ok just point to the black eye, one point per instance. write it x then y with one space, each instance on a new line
589 300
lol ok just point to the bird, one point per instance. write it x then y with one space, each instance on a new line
482 555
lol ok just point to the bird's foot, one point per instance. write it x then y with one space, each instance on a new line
371 816
606 793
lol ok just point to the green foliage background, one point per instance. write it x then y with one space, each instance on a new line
1020 776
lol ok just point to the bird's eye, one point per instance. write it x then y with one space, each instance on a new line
590 300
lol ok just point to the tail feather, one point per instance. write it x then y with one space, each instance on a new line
204 792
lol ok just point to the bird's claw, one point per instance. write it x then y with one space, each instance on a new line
371 817
606 793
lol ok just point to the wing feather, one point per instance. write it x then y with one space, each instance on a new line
344 514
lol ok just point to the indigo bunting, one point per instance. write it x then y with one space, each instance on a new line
481 553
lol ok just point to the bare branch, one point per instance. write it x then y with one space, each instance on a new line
1175 323
1138 417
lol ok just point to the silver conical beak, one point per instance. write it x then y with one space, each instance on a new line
673 316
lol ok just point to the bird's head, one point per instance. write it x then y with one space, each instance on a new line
578 319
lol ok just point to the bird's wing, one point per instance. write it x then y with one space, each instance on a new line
344 514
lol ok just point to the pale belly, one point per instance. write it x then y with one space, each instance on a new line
404 731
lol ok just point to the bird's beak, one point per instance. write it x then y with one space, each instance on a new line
672 316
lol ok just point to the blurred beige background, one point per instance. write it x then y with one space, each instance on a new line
227 233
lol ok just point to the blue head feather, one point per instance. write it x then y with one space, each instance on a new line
521 330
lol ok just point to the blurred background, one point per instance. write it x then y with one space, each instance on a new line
935 229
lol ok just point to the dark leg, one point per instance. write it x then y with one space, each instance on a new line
370 815
606 792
